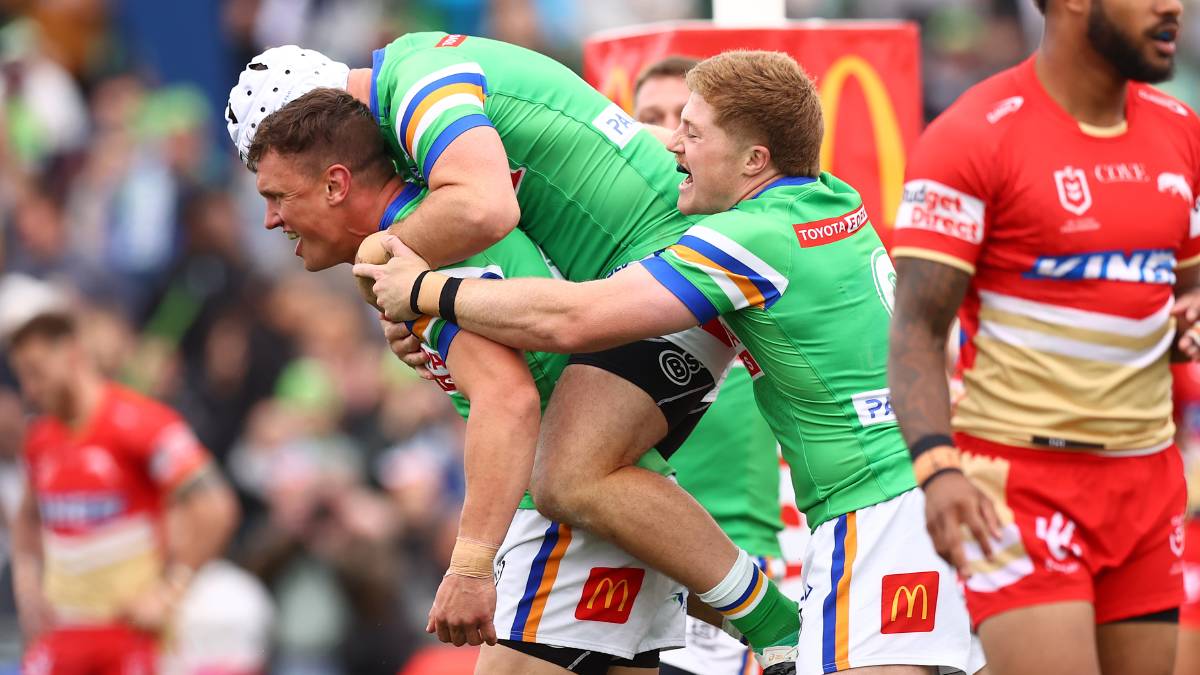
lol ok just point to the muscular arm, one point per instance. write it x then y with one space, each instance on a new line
928 294
502 432
200 518
559 316
27 564
1186 312
471 204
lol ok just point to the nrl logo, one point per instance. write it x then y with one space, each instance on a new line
1073 191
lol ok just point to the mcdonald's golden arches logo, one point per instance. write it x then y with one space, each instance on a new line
909 603
609 594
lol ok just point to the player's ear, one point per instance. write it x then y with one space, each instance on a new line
758 159
336 181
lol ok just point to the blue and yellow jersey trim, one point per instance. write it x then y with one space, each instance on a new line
737 278
542 575
461 85
835 609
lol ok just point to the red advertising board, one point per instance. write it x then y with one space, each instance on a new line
868 74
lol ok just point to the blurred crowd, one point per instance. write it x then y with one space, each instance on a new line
117 181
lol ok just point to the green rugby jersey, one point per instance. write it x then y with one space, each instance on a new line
730 464
513 256
799 275
596 191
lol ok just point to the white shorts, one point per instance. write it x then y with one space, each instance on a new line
711 651
564 587
878 594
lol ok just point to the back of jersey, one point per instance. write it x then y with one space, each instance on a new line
596 191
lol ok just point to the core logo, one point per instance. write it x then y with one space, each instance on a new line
930 205
1175 184
609 594
1149 266
874 407
451 41
1121 172
1073 191
909 603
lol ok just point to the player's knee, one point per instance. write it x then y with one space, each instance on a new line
559 497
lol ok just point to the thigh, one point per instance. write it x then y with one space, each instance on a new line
596 421
501 660
1137 647
1187 651
879 595
1049 638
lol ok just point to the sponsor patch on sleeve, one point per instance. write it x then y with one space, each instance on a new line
617 125
874 407
930 205
831 229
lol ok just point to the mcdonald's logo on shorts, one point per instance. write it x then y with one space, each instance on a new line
609 594
909 603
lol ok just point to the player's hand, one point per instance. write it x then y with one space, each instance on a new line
406 347
463 611
394 281
1187 313
952 502
152 611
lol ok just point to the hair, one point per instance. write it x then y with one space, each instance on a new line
1041 5
322 128
49 326
671 66
765 97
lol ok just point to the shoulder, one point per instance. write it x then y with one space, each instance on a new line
38 434
137 414
983 112
1163 109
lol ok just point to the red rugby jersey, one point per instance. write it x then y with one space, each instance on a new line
1073 236
101 492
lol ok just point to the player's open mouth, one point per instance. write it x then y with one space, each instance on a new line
684 170
1164 40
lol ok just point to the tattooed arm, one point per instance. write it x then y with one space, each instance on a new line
928 294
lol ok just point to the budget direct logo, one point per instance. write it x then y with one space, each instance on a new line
609 594
936 207
909 603
1148 266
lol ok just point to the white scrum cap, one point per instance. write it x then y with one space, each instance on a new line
272 80
23 299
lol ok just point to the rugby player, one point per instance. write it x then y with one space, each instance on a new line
730 463
791 263
121 503
473 118
1053 206
554 598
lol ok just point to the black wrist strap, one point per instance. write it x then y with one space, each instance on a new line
928 442
941 472
446 301
416 292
